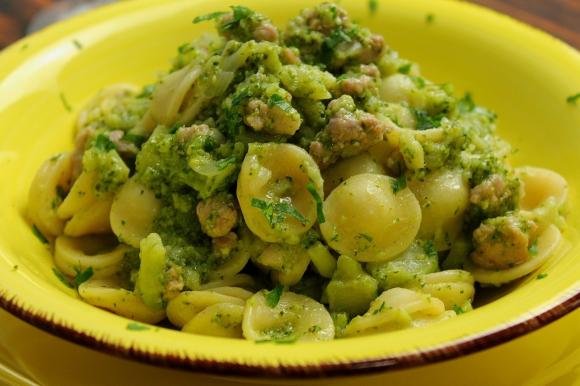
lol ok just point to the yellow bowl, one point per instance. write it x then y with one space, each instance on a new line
521 73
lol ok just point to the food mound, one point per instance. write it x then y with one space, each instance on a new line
299 184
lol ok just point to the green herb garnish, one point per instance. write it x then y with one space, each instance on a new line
319 204
63 279
65 103
39 234
426 121
82 276
273 297
405 68
135 139
430 18
209 16
239 13
133 326
103 143
276 212
533 249
572 99
365 236
399 183
373 6
465 104
380 309
77 44
458 310
281 103
429 249
541 276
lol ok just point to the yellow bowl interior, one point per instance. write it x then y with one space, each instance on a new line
522 74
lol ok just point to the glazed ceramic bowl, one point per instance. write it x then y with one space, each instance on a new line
522 74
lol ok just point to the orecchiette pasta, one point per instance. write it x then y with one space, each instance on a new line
547 242
293 317
133 211
272 180
453 287
106 293
221 319
73 255
395 309
443 197
367 220
43 198
540 184
287 262
348 167
187 304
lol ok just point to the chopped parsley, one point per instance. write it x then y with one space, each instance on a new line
429 249
103 143
430 18
239 13
541 276
572 99
380 309
281 103
63 279
368 238
405 68
399 183
533 249
134 326
147 91
276 212
337 37
465 104
65 103
77 44
426 121
458 310
319 204
82 276
135 139
39 234
273 297
373 6
209 16
419 82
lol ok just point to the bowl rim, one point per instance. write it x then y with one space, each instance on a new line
541 316
451 350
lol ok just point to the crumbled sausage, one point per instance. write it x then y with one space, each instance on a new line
495 195
370 70
222 246
266 32
187 133
173 282
503 242
125 148
289 56
347 134
357 85
217 215
261 117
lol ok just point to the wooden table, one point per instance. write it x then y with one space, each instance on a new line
561 18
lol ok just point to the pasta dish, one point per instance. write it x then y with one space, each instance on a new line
297 184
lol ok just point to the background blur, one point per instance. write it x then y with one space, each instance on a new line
560 18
